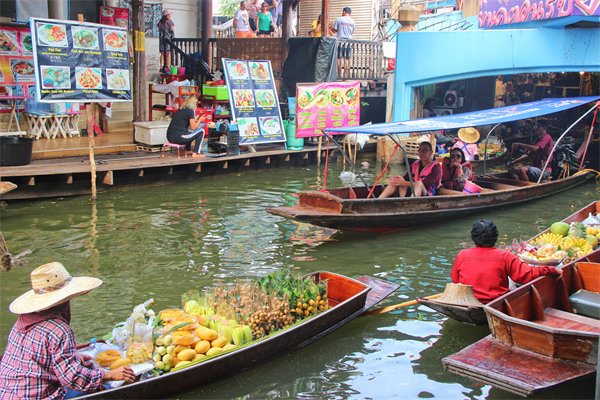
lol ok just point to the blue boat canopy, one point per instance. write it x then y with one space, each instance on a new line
475 118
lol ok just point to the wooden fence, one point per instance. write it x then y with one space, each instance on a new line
366 60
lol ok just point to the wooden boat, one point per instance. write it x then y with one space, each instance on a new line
348 298
349 208
476 315
537 340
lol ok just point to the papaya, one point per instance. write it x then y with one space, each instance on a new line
213 351
186 355
202 346
185 337
219 342
120 362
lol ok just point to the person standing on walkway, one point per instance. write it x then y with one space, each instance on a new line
253 9
343 27
166 30
279 17
264 21
241 22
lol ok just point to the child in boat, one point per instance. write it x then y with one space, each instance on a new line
456 170
40 360
487 268
426 174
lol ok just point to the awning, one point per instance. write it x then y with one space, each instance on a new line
475 118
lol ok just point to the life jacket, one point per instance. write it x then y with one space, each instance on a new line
414 169
448 181
470 149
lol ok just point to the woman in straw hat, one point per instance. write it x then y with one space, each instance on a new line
487 268
40 359
467 142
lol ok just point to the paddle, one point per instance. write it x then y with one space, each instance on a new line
396 306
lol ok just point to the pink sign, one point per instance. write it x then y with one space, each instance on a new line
326 105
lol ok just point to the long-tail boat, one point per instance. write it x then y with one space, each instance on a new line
347 297
359 208
476 315
543 334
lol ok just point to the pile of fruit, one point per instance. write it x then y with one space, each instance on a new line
566 242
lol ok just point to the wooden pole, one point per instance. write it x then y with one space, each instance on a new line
140 111
395 307
89 114
207 14
325 18
319 152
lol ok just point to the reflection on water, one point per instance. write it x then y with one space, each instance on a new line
164 240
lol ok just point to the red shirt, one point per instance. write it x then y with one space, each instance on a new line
545 143
487 269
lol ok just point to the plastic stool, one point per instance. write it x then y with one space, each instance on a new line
172 146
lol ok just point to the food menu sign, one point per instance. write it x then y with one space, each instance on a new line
253 100
16 61
77 61
326 105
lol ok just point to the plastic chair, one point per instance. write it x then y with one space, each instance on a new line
174 146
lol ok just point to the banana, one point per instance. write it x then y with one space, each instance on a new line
546 238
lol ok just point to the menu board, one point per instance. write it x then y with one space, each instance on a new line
80 61
253 100
16 62
114 16
326 105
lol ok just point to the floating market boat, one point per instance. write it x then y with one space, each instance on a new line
359 208
476 315
347 297
543 334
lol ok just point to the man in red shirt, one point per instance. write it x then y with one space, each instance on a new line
487 268
539 152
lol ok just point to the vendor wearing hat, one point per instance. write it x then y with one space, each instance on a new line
166 30
539 152
40 361
487 268
467 142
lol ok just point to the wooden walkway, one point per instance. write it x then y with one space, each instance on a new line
111 142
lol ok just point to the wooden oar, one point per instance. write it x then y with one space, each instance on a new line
396 306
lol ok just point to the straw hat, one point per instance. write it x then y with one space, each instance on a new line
459 294
51 285
468 135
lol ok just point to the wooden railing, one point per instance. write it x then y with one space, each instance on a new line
188 46
366 60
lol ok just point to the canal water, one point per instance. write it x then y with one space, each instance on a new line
163 240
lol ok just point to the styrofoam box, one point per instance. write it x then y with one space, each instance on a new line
151 132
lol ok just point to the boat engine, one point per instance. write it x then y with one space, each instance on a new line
565 158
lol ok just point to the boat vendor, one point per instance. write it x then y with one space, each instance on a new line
467 142
539 152
186 127
40 359
456 170
487 268
426 173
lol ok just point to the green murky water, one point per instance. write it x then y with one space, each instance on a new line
161 241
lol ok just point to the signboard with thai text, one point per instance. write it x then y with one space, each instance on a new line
494 13
80 61
326 105
16 63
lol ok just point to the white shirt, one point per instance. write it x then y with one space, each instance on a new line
242 20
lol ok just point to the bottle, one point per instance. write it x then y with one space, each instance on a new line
92 345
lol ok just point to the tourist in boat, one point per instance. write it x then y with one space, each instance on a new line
467 142
185 127
456 170
40 359
426 174
487 268
539 153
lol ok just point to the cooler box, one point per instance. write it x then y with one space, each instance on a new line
586 303
219 91
151 133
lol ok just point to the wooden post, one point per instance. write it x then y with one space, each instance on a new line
207 14
89 114
139 62
319 152
325 17
285 34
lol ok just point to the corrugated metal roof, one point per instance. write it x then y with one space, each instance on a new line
362 14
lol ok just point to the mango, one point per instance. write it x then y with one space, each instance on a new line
213 351
202 346
219 342
560 228
182 363
181 347
120 362
186 355
593 240
208 334
174 361
229 346
198 357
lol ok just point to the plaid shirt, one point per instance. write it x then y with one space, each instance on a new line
42 363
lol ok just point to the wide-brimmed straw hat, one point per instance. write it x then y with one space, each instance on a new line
468 135
51 285
459 294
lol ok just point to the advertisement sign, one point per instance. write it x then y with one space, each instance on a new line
16 62
253 100
114 16
80 61
494 13
326 105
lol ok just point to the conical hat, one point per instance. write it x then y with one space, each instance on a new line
459 294
468 135
51 285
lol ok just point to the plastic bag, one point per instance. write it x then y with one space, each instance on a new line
591 220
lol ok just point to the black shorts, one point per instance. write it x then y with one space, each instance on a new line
163 46
344 52
252 24
268 33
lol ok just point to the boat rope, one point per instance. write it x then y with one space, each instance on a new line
589 138
385 169
325 170
589 170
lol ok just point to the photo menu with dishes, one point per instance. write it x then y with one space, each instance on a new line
253 100
79 61
326 105
16 64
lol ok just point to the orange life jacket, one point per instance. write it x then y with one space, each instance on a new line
448 181
414 169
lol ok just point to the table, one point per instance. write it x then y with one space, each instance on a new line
14 109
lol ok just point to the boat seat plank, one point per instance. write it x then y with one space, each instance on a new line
590 275
380 289
517 371
565 320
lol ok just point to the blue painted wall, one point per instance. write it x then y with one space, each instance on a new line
424 58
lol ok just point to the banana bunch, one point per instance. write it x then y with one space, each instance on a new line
547 238
578 245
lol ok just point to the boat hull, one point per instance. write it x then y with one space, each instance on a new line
347 298
466 314
337 210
